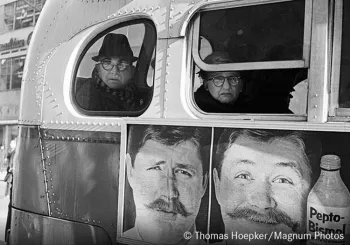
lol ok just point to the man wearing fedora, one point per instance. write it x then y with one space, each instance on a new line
111 87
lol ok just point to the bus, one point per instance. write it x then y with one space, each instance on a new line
145 162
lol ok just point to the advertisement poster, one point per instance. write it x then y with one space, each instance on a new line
205 185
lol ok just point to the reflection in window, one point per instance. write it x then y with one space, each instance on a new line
11 72
344 96
115 73
260 33
264 32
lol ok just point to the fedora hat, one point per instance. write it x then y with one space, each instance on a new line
115 45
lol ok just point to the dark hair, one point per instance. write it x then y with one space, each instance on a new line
170 136
217 57
229 136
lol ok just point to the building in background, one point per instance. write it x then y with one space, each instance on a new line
17 21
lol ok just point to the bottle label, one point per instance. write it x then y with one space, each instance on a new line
328 225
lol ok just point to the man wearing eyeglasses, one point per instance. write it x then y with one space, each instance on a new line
220 92
111 87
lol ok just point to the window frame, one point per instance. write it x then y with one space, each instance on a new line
337 113
304 63
150 28
195 60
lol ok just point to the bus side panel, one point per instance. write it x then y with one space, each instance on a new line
29 228
28 182
82 176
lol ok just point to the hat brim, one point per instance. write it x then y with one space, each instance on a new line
98 58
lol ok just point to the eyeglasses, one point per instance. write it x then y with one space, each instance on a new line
107 65
232 80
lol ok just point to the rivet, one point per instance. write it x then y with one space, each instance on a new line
315 106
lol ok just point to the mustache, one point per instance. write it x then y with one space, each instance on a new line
272 216
175 206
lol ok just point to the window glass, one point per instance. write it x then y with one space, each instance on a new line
5 65
20 14
344 95
115 75
9 11
13 131
261 33
17 68
24 13
257 33
2 148
11 72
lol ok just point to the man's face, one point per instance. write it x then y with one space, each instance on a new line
226 93
261 187
168 185
115 72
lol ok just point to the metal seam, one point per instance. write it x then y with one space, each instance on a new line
44 171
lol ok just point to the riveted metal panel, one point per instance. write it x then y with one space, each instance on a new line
29 191
58 22
155 110
29 228
180 10
82 176
64 29
158 10
175 79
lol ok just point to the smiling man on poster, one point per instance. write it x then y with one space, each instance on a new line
262 179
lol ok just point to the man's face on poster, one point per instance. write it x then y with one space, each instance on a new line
261 187
168 184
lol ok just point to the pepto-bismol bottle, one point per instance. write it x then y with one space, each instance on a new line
328 205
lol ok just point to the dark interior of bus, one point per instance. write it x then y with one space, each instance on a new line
267 32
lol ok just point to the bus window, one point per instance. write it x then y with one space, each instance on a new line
114 75
259 59
344 94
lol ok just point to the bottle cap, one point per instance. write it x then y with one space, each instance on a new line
330 162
